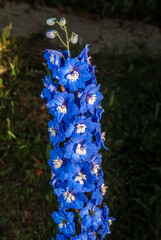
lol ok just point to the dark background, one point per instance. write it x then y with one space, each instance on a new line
130 83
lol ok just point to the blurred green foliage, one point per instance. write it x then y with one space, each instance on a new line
133 9
131 87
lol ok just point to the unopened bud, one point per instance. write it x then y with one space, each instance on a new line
74 38
51 21
51 34
62 21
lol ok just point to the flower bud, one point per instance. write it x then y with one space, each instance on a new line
51 21
51 34
62 22
74 38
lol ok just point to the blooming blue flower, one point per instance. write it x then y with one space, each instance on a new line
74 74
91 216
56 132
61 167
69 199
107 221
81 125
65 222
80 148
83 180
62 106
90 99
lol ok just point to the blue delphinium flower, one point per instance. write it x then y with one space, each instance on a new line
74 101
74 74
65 222
90 99
81 125
56 132
68 198
91 216
80 148
61 167
62 106
53 60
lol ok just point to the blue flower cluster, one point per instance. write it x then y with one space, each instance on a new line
73 99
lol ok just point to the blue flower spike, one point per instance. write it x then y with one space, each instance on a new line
74 101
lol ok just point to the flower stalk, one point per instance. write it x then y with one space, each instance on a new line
75 134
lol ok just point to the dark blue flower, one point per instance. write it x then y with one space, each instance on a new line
69 199
46 94
65 222
62 106
85 236
60 237
53 60
90 98
74 74
91 216
99 191
100 137
93 77
80 148
49 84
83 56
96 164
56 132
98 114
81 125
83 180
61 167
107 221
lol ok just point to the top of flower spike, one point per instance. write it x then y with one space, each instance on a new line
62 24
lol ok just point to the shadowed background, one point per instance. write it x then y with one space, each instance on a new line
125 41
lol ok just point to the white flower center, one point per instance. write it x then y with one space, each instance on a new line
103 189
52 175
81 128
80 150
92 99
52 131
103 136
57 163
69 196
96 167
61 225
52 58
80 178
89 60
73 76
62 109
110 222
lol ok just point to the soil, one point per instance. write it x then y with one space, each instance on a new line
110 33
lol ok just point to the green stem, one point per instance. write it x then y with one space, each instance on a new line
60 26
71 37
65 28
62 40
63 57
